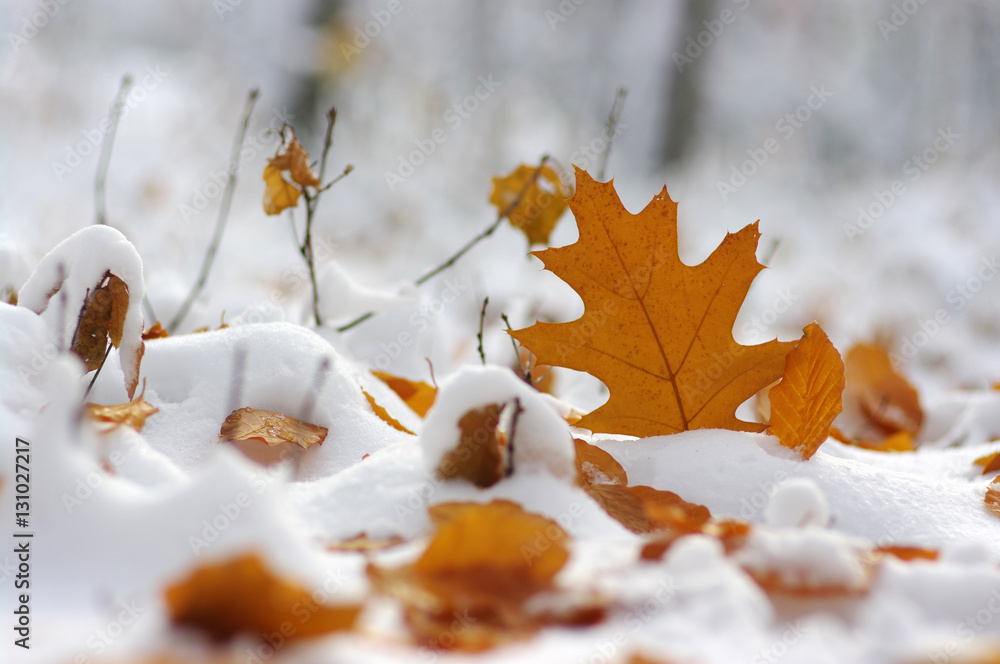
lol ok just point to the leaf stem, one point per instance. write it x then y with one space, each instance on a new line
482 319
220 225
114 115
611 130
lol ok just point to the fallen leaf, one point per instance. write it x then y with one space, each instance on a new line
271 428
155 332
889 402
621 505
907 553
990 463
657 332
808 398
643 509
133 413
478 456
279 193
992 498
483 562
295 160
365 544
242 596
384 415
418 395
901 441
543 202
595 466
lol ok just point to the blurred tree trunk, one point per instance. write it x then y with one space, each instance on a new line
683 93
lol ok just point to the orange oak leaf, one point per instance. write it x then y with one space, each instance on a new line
241 595
485 562
133 414
808 398
543 202
279 193
479 456
384 415
271 427
418 395
657 332
883 396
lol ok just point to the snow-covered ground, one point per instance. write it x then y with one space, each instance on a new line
878 205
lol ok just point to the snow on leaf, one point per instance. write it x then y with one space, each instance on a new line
479 454
595 466
541 205
271 427
884 397
418 395
657 332
295 160
808 398
279 193
133 414
384 415
242 595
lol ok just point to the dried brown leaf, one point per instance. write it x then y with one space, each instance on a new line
271 427
478 456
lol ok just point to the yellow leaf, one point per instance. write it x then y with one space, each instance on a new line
279 194
541 206
808 398
384 415
595 466
295 160
882 395
133 414
418 395
271 427
657 332
241 595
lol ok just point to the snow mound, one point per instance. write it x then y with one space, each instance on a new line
796 503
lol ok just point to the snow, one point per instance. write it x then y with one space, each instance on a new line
797 502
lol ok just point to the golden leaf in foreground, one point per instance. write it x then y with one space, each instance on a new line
808 398
133 414
657 332
271 427
241 595
541 206
418 395
279 193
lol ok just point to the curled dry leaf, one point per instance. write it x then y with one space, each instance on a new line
657 332
384 415
541 206
808 398
883 396
484 562
279 193
133 414
418 395
295 160
595 466
271 427
242 595
101 317
479 455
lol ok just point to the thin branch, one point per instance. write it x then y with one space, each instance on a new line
220 225
525 373
98 372
468 245
611 130
482 319
770 251
513 431
109 138
319 379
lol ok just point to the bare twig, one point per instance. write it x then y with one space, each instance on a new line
770 251
319 379
220 225
109 138
98 372
513 431
468 245
239 372
611 130
525 373
482 319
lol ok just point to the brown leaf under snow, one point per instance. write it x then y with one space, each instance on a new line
808 398
133 414
482 565
102 316
595 466
479 455
271 427
241 595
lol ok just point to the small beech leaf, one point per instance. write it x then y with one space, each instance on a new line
271 427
